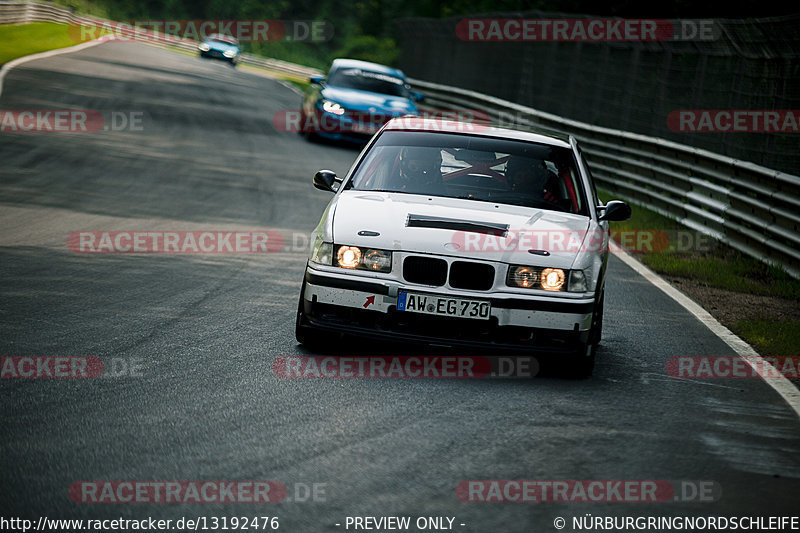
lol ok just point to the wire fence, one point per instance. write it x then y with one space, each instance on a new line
631 86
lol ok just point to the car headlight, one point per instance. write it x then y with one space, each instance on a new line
525 277
204 47
348 256
528 277
553 279
377 260
371 259
332 107
322 252
229 53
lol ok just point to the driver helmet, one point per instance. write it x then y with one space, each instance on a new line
421 164
526 175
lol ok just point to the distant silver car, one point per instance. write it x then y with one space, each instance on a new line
462 235
220 46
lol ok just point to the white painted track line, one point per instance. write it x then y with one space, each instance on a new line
50 53
782 386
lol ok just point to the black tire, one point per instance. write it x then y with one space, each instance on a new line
301 331
304 333
309 135
596 334
581 363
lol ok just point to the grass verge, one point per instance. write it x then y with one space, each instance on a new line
770 337
25 39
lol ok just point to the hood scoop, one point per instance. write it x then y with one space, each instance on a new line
424 221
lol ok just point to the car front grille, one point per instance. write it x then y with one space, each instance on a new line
463 274
471 276
425 270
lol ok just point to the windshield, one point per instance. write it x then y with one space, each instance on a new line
223 39
475 168
365 80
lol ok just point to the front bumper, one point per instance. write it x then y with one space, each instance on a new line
368 307
352 126
216 54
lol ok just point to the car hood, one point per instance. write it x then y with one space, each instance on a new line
364 100
222 47
413 223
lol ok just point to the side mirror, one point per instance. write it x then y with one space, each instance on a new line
417 97
615 211
316 80
324 180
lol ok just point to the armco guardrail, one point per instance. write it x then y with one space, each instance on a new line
25 12
12 12
753 209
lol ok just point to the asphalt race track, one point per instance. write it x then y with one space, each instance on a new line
202 332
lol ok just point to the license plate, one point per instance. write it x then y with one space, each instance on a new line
443 306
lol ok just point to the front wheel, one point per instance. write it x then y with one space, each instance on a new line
303 332
581 363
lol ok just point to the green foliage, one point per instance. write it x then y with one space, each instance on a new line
369 48
768 337
301 53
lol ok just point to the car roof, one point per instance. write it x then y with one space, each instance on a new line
422 125
366 65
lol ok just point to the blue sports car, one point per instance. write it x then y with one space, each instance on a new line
355 100
222 47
